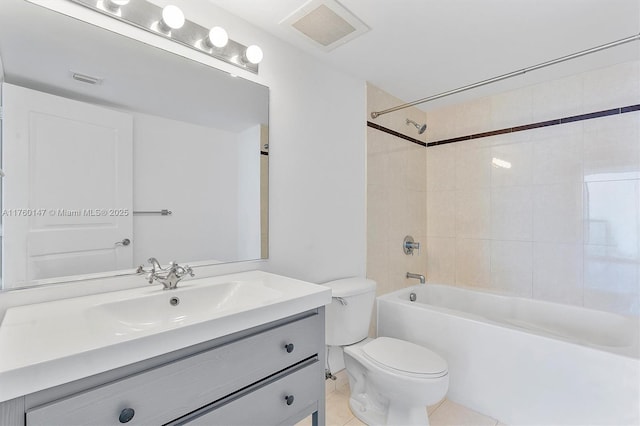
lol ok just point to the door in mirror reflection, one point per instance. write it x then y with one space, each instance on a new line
67 189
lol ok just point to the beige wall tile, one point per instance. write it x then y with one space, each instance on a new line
473 262
378 264
474 117
441 214
512 164
557 213
512 213
441 260
558 272
396 198
612 87
611 148
557 98
442 123
512 108
561 224
559 158
416 164
612 216
377 214
512 267
441 167
416 213
473 213
473 167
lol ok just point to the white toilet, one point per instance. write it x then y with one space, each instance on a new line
392 381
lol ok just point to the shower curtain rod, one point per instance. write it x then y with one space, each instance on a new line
376 114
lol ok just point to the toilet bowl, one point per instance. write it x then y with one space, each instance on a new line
391 380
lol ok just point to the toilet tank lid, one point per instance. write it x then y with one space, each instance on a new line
351 286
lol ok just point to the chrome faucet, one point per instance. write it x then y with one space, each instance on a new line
168 277
409 245
416 276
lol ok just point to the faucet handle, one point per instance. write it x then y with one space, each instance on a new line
189 271
409 245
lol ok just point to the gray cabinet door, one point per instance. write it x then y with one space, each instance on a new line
283 399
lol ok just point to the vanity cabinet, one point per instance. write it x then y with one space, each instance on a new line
271 374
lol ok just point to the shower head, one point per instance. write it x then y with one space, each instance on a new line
421 128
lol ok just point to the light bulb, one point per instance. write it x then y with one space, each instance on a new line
253 54
172 17
217 37
114 5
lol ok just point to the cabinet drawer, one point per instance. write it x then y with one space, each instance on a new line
290 397
162 394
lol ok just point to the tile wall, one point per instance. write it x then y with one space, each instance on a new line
551 213
396 194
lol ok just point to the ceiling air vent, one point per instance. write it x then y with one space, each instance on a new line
325 23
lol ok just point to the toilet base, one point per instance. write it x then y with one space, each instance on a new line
395 414
366 411
400 414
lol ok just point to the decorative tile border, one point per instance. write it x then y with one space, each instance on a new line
394 133
581 117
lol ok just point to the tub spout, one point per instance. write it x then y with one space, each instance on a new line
416 276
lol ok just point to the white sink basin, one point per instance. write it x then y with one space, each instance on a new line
47 344
190 303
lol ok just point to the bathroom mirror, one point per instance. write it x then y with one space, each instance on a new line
115 151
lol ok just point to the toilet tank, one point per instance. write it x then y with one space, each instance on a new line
349 314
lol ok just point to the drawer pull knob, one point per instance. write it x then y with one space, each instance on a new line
289 347
126 415
289 399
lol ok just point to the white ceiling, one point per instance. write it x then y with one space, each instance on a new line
418 48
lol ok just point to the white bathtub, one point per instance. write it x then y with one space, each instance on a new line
523 361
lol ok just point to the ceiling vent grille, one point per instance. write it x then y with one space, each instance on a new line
325 23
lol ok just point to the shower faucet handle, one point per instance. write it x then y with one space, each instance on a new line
409 245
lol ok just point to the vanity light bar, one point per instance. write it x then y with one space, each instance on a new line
149 17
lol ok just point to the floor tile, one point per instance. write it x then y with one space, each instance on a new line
452 414
338 411
432 408
443 413
307 421
355 422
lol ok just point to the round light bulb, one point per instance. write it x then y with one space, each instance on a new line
254 54
173 17
114 5
218 37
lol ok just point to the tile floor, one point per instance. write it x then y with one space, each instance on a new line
445 413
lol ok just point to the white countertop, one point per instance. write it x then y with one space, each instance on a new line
48 344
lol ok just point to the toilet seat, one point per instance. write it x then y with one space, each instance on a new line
405 357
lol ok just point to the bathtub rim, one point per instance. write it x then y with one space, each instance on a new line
631 351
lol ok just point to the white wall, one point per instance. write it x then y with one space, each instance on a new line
316 156
317 147
1 81
204 224
247 170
